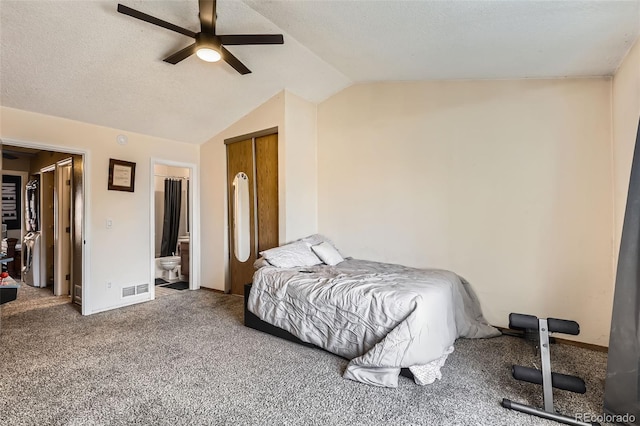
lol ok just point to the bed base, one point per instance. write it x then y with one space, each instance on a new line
252 321
545 377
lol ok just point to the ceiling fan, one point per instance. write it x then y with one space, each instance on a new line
208 46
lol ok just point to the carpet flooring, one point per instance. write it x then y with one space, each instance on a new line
187 359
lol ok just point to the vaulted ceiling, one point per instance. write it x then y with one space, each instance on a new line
84 61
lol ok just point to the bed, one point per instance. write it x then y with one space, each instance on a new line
382 317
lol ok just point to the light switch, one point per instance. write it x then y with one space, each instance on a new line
109 223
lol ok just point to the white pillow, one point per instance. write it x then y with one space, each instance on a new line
291 255
327 253
316 239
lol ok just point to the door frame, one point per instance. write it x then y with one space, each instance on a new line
194 222
86 208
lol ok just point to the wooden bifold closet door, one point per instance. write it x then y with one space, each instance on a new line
257 157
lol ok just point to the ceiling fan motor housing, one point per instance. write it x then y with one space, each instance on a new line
208 40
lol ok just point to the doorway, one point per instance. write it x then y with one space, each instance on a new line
48 243
173 227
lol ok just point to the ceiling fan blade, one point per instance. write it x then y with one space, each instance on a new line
251 39
181 54
153 20
207 16
233 61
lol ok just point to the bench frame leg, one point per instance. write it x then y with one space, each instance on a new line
527 409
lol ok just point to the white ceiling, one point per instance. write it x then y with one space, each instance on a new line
84 61
418 40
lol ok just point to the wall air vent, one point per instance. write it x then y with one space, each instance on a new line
128 291
135 289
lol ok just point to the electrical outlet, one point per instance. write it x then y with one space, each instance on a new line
108 284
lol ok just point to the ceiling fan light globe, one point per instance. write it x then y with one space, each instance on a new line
208 54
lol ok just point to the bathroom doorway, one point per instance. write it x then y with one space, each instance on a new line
172 227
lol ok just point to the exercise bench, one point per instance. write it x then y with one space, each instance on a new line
545 377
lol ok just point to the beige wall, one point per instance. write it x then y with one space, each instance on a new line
508 183
213 158
297 178
625 114
121 255
300 164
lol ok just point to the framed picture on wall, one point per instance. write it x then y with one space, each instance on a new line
122 175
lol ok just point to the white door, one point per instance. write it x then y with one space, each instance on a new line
62 286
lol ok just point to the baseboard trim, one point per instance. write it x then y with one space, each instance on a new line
212 289
582 345
562 341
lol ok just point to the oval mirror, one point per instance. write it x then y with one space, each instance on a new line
241 228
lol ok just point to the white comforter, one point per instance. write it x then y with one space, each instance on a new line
382 317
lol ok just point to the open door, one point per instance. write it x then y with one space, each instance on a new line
77 233
62 255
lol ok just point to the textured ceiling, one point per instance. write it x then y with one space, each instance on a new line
84 61
418 40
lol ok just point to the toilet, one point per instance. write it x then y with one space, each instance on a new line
170 265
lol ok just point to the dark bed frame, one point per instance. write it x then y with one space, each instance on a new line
252 321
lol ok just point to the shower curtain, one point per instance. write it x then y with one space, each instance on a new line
622 386
171 222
